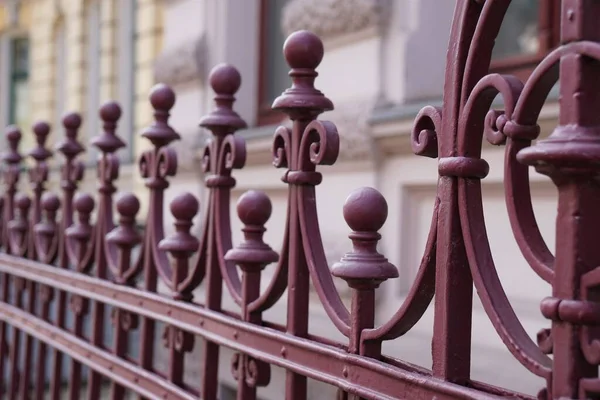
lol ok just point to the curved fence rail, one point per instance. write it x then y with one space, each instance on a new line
79 292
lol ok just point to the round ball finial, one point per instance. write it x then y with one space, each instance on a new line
110 111
23 201
41 129
303 49
365 210
50 202
13 133
128 205
225 79
72 121
162 97
254 208
185 207
84 203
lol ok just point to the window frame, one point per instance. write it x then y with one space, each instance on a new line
266 115
549 35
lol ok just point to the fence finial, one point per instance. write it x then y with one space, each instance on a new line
160 133
70 147
108 141
225 81
40 153
13 136
365 211
303 51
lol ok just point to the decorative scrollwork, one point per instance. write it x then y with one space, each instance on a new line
428 123
158 164
79 305
253 372
232 154
127 321
178 339
320 144
281 147
108 168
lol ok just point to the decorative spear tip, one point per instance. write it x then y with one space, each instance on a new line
110 111
365 210
162 97
254 208
72 121
184 207
303 50
225 79
23 202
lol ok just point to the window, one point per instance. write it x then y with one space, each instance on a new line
273 69
18 110
529 31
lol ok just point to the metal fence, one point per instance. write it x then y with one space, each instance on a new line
102 276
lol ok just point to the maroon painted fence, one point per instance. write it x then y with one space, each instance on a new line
79 302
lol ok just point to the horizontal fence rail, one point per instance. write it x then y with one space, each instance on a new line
90 299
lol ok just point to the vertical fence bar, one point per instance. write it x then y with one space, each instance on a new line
12 160
46 232
181 245
252 256
451 344
222 122
108 166
302 103
160 134
79 307
71 174
15 346
18 243
38 176
125 237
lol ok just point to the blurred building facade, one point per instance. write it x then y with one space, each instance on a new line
384 60
59 56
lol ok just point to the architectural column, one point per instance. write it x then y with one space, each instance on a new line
108 50
44 16
74 19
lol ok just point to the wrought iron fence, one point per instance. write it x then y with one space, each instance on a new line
105 275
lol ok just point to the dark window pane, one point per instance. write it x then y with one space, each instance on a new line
519 34
275 73
19 85
20 56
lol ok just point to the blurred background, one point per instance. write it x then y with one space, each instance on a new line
384 60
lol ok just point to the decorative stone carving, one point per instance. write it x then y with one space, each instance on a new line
330 18
351 120
181 64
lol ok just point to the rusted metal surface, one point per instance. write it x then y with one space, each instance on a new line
59 264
